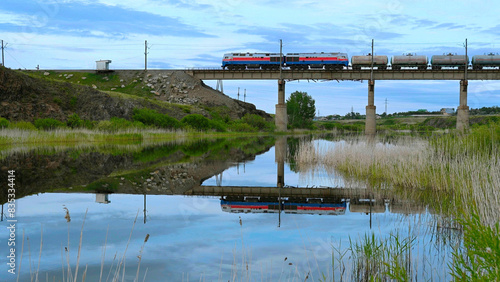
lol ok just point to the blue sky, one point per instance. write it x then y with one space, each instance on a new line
73 34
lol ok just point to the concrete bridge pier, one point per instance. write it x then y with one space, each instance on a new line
370 122
281 117
463 109
279 158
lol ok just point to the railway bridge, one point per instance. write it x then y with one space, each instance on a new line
463 76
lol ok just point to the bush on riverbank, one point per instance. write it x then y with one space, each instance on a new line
116 124
199 122
152 117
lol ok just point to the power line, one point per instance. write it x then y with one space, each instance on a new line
8 53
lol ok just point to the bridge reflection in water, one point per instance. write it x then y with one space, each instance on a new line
297 200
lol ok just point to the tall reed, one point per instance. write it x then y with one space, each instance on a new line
416 165
459 173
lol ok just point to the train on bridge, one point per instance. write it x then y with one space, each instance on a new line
340 61
293 206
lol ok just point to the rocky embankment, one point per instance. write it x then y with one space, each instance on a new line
58 95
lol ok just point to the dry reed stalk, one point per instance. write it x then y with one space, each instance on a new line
84 273
62 263
415 165
111 268
144 279
21 258
80 246
140 258
67 249
40 253
104 253
29 257
122 261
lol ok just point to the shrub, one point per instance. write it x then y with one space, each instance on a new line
73 101
23 125
48 123
256 121
200 122
328 125
152 117
74 121
196 121
4 123
242 127
388 122
89 124
115 124
58 101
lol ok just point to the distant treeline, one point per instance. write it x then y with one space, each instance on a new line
485 111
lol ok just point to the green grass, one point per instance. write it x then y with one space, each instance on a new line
103 81
479 257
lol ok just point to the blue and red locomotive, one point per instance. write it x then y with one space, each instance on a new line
272 61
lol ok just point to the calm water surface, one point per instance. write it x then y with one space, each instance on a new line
191 237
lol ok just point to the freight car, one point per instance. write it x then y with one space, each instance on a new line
490 60
379 62
449 60
339 61
409 60
321 60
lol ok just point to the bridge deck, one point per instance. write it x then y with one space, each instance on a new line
446 74
358 193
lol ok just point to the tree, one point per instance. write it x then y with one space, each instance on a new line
301 109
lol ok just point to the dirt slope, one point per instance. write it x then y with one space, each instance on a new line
46 95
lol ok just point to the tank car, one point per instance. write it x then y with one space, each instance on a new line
241 61
409 60
379 62
317 60
449 60
490 60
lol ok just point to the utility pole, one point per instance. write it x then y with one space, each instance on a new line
3 61
371 73
466 60
245 95
145 55
238 93
281 60
385 105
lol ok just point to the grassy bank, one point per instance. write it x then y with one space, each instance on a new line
458 176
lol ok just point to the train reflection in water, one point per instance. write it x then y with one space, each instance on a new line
287 205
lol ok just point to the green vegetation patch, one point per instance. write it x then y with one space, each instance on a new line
4 123
48 123
480 260
115 124
23 125
199 122
152 117
107 185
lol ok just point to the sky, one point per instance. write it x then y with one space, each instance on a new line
73 34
